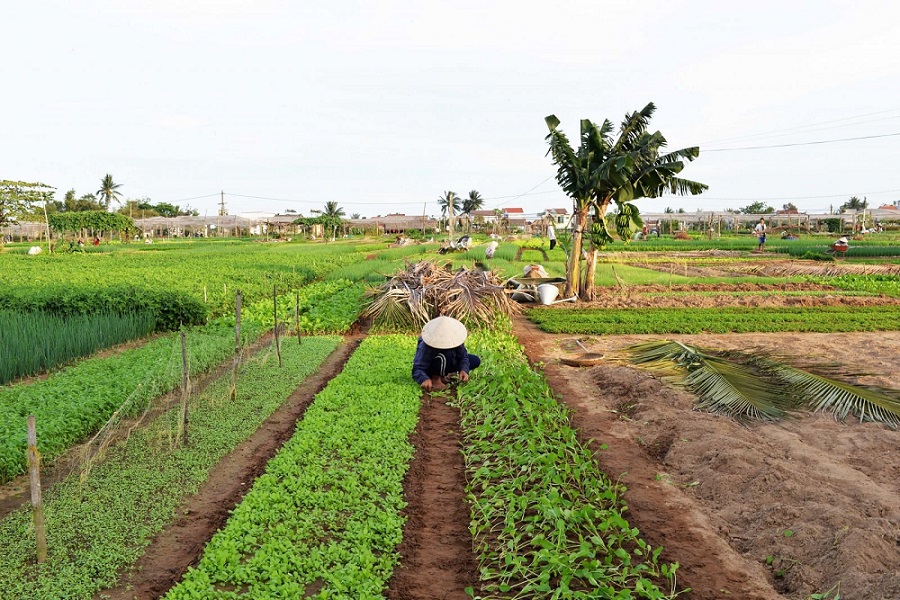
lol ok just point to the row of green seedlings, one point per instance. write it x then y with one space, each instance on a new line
320 307
98 526
820 319
324 520
36 342
546 522
77 400
888 285
208 275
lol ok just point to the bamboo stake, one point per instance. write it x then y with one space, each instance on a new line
237 344
34 468
297 317
185 390
275 313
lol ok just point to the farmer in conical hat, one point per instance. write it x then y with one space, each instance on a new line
441 353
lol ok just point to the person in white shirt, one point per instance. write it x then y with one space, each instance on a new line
551 235
760 231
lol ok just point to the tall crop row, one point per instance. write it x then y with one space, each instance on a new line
35 342
323 521
76 401
546 522
822 319
96 529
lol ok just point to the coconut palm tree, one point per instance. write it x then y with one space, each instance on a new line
472 203
451 205
332 217
604 170
109 191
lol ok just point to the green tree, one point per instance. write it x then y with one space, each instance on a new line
17 198
854 203
331 217
757 208
789 206
451 205
109 191
606 169
472 203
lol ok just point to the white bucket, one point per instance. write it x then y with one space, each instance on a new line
547 292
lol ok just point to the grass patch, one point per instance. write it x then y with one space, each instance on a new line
822 319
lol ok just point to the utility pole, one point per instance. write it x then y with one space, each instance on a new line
222 213
450 200
424 210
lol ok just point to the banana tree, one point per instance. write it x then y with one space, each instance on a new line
607 170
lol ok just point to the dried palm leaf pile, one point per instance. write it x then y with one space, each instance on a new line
756 387
424 290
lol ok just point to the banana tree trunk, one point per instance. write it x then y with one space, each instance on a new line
573 268
590 270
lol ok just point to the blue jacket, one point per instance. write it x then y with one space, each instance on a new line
457 360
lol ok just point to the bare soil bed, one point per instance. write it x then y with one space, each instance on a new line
753 512
726 294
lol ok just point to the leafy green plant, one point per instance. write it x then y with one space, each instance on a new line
824 319
74 402
324 520
101 526
546 521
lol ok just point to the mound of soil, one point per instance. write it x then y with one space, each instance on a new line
766 511
726 294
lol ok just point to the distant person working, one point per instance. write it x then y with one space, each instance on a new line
551 235
760 231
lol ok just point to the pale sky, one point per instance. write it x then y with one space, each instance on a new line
384 105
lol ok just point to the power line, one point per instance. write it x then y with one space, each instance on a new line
793 129
853 139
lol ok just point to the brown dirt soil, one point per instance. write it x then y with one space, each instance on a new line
726 294
753 512
179 545
436 552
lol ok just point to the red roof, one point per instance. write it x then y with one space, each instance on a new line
513 210
887 207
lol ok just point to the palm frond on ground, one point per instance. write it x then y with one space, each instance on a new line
756 387
424 290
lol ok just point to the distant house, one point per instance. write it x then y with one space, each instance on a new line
559 216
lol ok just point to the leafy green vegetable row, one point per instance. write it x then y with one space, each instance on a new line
323 521
823 319
35 342
875 284
209 273
546 522
76 401
171 309
97 529
323 307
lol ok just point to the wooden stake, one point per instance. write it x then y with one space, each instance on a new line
237 344
297 317
34 469
185 391
275 312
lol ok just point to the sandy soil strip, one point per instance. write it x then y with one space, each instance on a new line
436 552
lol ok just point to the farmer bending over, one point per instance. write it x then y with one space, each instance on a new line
441 353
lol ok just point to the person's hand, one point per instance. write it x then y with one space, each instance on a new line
463 376
426 385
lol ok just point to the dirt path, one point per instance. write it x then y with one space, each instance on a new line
436 552
764 511
180 544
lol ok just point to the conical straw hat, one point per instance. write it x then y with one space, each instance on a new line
444 332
